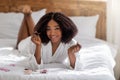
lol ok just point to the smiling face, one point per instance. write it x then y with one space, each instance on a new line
54 32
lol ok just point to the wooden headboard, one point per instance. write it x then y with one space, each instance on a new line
68 7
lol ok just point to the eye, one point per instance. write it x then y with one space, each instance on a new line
57 28
48 28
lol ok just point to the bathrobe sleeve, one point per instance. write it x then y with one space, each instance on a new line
77 55
27 48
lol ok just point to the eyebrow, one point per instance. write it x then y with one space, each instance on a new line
54 26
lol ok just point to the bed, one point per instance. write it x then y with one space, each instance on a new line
96 56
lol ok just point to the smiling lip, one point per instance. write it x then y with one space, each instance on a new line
53 37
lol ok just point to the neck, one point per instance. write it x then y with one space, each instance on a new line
54 47
55 44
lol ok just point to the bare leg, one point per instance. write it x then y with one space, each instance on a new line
30 24
27 26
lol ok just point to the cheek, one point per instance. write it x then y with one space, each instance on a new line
60 33
48 33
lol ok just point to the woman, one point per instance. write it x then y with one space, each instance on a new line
51 40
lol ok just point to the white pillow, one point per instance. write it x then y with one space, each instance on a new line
86 25
38 14
10 23
95 53
7 44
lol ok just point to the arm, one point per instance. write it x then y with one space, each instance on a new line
71 54
36 39
38 54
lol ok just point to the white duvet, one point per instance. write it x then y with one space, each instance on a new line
96 63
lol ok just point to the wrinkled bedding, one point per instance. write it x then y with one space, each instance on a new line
96 63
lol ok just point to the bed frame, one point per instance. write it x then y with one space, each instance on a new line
68 7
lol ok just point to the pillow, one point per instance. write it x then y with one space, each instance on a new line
7 44
95 53
86 25
10 23
38 14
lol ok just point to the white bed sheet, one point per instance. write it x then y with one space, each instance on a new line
96 58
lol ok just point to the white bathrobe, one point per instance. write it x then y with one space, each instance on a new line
27 48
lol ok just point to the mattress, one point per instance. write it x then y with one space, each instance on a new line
96 56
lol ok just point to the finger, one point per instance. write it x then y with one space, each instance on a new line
78 45
33 35
33 39
76 48
37 37
73 51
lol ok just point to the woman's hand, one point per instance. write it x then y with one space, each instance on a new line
74 48
36 39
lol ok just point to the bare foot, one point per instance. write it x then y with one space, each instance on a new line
26 9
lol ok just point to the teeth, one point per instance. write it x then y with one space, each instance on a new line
53 37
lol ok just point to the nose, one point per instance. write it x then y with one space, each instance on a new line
52 32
